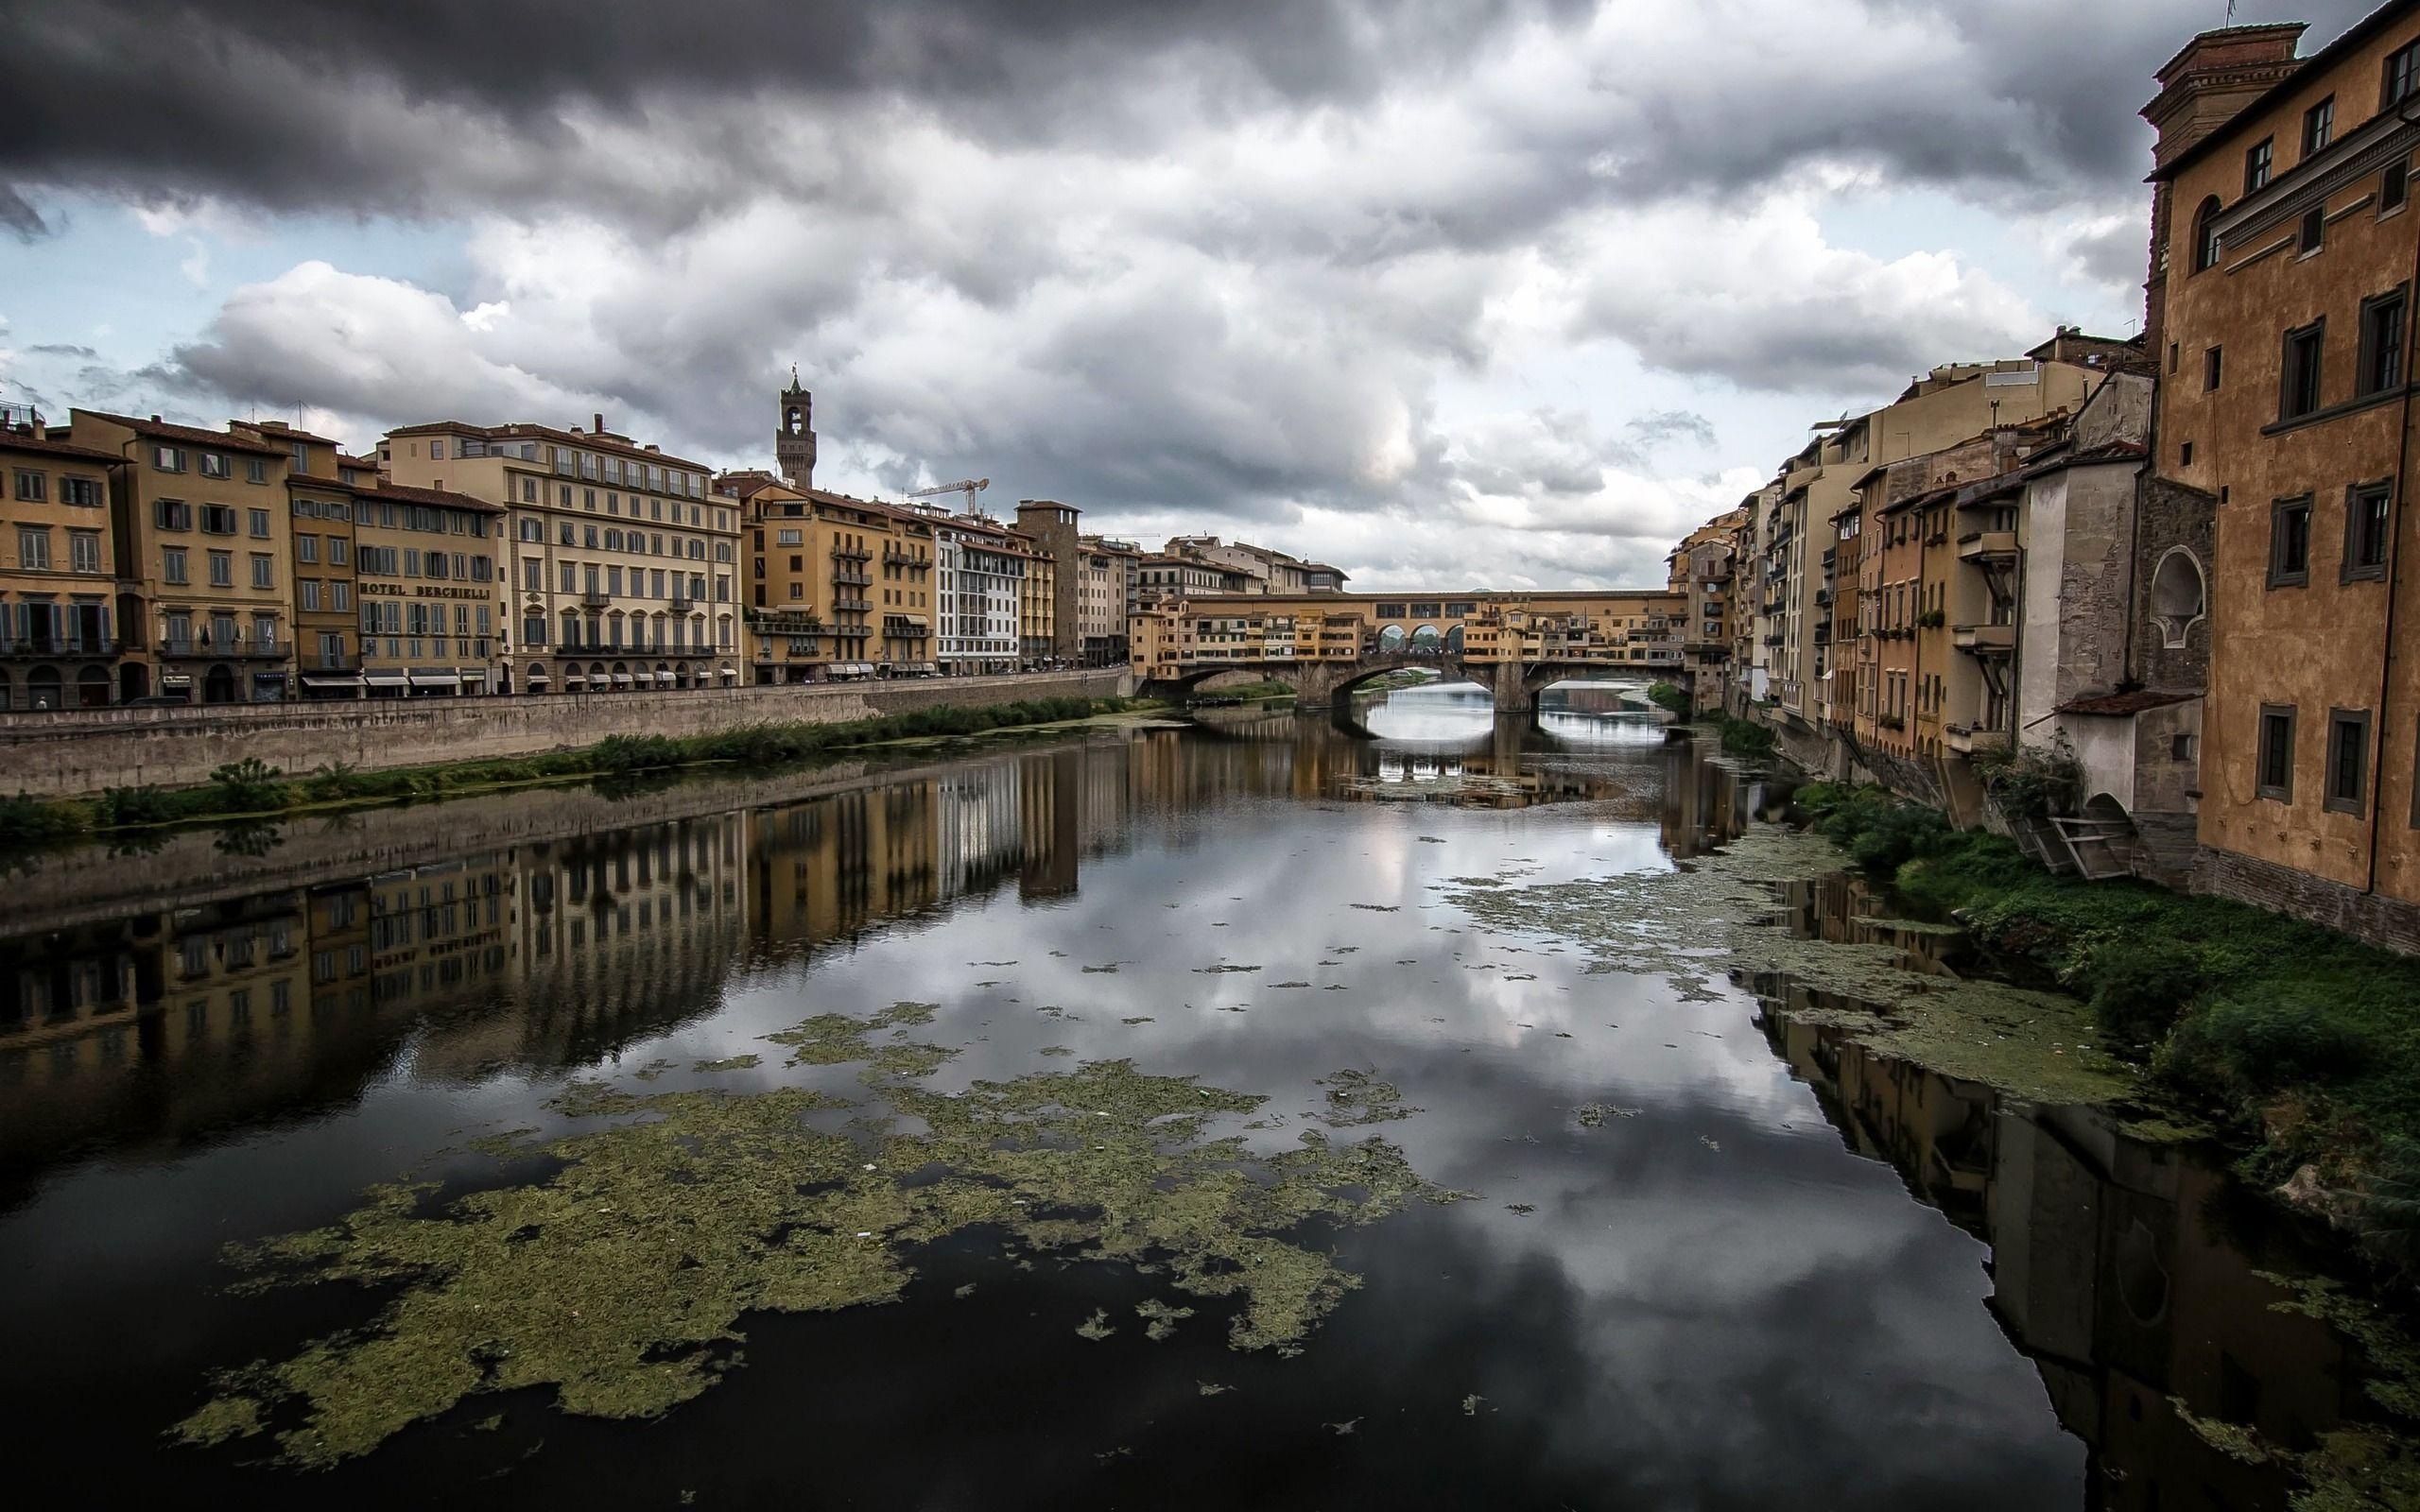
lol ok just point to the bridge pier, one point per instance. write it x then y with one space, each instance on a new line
1509 681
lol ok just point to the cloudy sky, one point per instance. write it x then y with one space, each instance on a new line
1443 291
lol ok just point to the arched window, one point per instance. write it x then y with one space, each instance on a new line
2205 235
2179 596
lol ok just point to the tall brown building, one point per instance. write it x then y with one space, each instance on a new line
58 640
204 558
2282 291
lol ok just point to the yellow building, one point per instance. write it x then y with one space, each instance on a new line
623 565
59 642
204 558
1639 631
319 502
838 588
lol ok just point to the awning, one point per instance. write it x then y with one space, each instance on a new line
725 672
475 675
386 677
570 678
535 675
621 680
437 679
662 678
310 681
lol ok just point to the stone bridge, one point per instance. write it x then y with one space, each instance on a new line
1323 684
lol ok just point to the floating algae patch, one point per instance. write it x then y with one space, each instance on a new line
1715 918
620 1280
1159 1318
729 1063
1356 1098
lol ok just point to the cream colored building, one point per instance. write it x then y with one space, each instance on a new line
623 565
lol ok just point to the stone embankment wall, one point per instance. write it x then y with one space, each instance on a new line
70 753
184 869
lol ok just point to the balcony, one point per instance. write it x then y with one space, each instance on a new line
1985 640
852 579
851 553
239 648
1967 742
850 605
50 646
893 556
593 599
1987 545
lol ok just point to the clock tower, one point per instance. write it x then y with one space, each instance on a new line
794 442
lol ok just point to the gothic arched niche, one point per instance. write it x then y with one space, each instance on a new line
2180 596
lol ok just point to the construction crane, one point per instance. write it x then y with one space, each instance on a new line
970 487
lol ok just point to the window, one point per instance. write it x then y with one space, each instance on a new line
259 523
2367 519
2185 454
222 569
33 548
437 449
2349 760
2299 389
307 596
168 458
2175 357
306 548
2289 543
264 631
84 546
340 597
2213 368
2402 77
2394 185
339 551
2314 232
84 492
256 471
172 514
2319 125
2256 164
2205 235
2274 755
31 485
2383 321
263 576
217 520
214 464
172 565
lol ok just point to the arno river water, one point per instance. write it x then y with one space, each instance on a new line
1134 1119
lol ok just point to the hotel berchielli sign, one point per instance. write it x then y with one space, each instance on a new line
420 591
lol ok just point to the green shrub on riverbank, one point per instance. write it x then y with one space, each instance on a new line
1744 737
1670 697
2306 1040
252 787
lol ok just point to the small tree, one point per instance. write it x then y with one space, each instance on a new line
248 786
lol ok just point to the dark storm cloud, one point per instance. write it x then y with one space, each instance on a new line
19 219
447 104
297 104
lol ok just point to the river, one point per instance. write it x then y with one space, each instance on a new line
1134 1119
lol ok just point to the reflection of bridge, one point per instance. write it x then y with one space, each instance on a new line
1323 645
1514 685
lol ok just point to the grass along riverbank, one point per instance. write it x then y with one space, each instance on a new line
252 790
2301 1044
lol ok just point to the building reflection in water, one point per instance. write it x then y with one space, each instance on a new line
2128 1271
537 956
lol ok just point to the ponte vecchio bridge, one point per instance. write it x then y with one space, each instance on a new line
1323 645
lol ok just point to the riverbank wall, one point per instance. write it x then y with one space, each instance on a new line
87 883
76 753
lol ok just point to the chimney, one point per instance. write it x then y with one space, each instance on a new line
600 426
155 419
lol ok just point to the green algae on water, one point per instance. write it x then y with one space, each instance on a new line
1356 1098
620 1279
1715 918
728 1063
